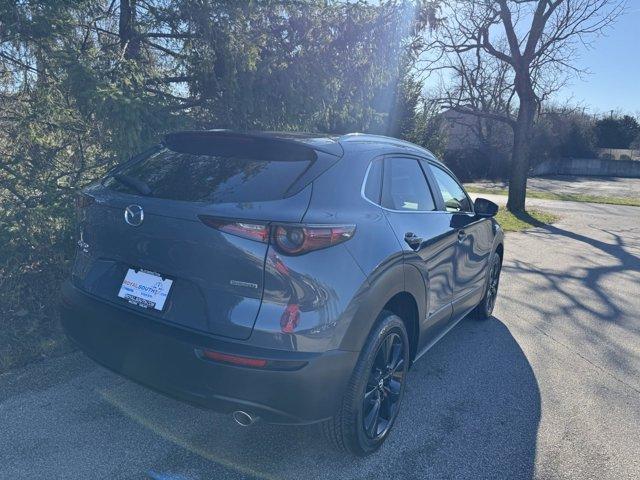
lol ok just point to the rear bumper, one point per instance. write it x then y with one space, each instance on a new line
163 357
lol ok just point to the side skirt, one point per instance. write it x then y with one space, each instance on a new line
442 334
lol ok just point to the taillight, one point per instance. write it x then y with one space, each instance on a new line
300 239
289 239
252 231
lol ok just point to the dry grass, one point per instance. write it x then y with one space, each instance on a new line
511 222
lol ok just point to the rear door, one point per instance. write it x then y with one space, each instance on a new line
474 240
202 230
425 235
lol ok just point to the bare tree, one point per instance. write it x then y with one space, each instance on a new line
508 57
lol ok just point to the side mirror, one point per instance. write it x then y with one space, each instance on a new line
485 208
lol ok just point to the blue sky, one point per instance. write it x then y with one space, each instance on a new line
614 63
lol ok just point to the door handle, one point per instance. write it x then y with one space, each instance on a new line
461 235
412 240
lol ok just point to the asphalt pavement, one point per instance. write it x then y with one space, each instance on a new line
548 388
576 185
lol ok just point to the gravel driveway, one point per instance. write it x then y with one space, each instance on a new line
548 388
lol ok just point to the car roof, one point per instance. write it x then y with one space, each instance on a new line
329 143
369 140
322 143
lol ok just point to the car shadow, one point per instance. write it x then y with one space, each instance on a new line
471 410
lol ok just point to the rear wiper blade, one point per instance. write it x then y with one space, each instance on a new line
136 184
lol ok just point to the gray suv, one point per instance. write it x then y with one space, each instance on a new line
288 277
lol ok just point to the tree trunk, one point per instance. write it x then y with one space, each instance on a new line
41 66
392 127
520 155
129 41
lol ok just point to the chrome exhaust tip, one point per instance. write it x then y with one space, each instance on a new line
243 419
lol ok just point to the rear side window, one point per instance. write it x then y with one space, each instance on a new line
404 186
373 187
211 178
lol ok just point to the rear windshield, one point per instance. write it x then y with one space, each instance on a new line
209 178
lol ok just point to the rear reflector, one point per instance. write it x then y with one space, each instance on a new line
235 359
249 362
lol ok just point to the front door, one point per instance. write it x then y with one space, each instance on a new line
474 237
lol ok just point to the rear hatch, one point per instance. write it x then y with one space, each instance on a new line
144 244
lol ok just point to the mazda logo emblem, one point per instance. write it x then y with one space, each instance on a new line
134 215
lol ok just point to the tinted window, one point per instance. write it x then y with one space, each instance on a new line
455 200
374 182
212 178
404 186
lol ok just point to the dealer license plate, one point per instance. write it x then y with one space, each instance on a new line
145 289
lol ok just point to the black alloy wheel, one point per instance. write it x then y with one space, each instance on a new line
484 310
384 386
492 289
373 397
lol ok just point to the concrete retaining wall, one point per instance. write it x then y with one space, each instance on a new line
589 167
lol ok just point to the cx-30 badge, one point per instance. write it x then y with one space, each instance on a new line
134 215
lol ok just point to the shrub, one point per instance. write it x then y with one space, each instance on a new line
472 164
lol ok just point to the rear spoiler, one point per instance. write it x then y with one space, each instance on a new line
280 146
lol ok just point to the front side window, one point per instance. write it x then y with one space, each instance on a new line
455 199
404 186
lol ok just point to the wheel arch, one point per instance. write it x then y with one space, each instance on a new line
403 304
401 290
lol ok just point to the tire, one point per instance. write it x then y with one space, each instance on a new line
484 309
387 343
